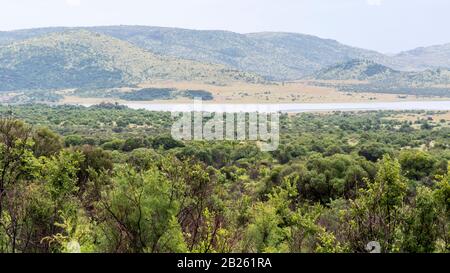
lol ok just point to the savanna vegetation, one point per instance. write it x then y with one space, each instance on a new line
111 179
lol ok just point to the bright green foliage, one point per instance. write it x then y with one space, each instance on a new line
264 233
217 237
442 197
389 188
61 174
140 213
422 223
77 234
328 244
376 214
338 182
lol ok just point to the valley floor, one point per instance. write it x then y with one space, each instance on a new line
236 93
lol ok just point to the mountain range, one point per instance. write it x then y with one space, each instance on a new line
273 55
84 59
124 55
366 75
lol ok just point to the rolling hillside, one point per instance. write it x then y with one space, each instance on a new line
276 56
82 58
424 58
357 70
114 56
365 70
369 76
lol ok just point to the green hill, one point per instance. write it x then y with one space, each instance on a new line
359 70
424 58
79 59
365 70
274 55
379 78
277 56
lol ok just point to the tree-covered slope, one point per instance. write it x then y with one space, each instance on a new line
423 58
276 56
82 58
365 70
361 70
374 77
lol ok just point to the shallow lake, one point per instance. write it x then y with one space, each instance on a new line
299 107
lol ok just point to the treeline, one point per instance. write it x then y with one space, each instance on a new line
390 89
338 182
144 94
394 87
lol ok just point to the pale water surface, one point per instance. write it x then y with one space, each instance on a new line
294 107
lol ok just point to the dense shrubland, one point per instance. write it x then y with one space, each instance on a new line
111 179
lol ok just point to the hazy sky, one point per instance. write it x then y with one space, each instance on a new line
383 25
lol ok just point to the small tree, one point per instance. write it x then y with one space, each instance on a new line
375 215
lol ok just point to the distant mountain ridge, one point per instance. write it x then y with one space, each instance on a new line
368 76
80 59
228 55
423 58
274 55
372 72
358 70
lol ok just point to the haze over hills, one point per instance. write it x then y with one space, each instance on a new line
370 76
80 58
358 70
437 56
366 70
276 56
125 56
